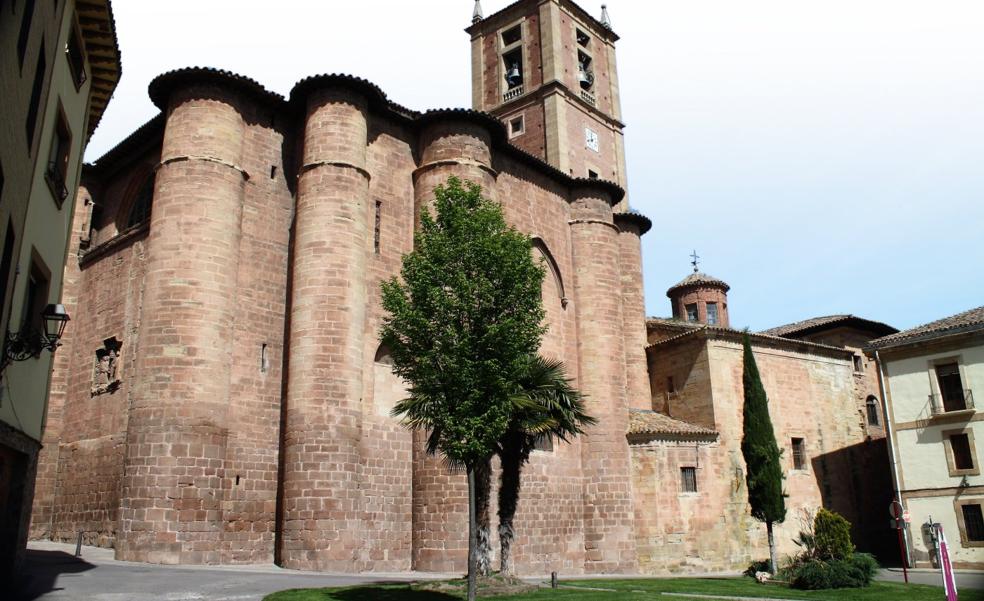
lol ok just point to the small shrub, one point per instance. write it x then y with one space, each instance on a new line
867 565
810 575
832 536
762 565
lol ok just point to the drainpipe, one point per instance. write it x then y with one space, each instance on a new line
890 437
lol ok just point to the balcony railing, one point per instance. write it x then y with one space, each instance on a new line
940 404
56 181
588 97
513 93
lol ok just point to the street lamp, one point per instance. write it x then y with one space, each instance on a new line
28 343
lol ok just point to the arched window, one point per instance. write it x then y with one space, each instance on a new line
387 388
140 207
871 404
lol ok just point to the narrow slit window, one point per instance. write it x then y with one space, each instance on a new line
264 359
377 227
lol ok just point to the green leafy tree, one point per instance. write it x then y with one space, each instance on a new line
461 326
831 536
548 407
762 455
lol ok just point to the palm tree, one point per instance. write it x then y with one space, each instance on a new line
546 406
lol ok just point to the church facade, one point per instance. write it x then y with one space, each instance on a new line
223 396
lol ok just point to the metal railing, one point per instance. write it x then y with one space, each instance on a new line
513 93
939 404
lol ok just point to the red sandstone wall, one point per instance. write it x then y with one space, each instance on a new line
252 448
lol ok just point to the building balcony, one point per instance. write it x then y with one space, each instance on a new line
941 404
512 93
588 97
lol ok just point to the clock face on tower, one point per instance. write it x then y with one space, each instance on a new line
591 139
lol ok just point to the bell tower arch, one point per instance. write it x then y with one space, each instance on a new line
546 68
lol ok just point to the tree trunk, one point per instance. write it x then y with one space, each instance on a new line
772 548
512 465
483 517
472 535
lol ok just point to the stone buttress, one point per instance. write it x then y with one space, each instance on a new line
322 496
177 430
608 509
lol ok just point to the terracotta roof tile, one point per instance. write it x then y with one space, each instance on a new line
818 323
698 278
650 422
968 321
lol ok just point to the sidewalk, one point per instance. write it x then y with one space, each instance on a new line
53 573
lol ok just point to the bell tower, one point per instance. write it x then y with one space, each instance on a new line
547 69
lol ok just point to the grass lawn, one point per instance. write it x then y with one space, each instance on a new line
639 589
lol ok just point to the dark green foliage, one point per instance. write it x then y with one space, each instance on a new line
759 448
831 536
856 572
867 565
463 322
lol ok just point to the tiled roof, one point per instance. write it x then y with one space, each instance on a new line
102 49
651 422
698 278
968 321
808 326
161 87
692 329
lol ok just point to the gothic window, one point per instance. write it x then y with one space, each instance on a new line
105 372
388 388
871 405
140 208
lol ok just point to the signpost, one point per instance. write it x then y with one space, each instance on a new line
900 517
946 568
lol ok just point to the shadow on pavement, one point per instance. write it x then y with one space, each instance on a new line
41 572
376 593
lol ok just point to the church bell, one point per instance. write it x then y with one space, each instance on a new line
513 76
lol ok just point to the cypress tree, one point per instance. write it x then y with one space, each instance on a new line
763 471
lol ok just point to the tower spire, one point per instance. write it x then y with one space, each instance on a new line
477 13
605 19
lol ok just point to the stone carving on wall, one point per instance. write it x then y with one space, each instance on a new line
106 372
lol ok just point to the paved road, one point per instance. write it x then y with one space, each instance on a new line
55 575
965 578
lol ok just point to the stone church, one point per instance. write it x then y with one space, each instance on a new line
222 396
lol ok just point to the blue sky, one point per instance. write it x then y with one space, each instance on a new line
822 157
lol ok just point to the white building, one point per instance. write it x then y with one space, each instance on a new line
931 374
